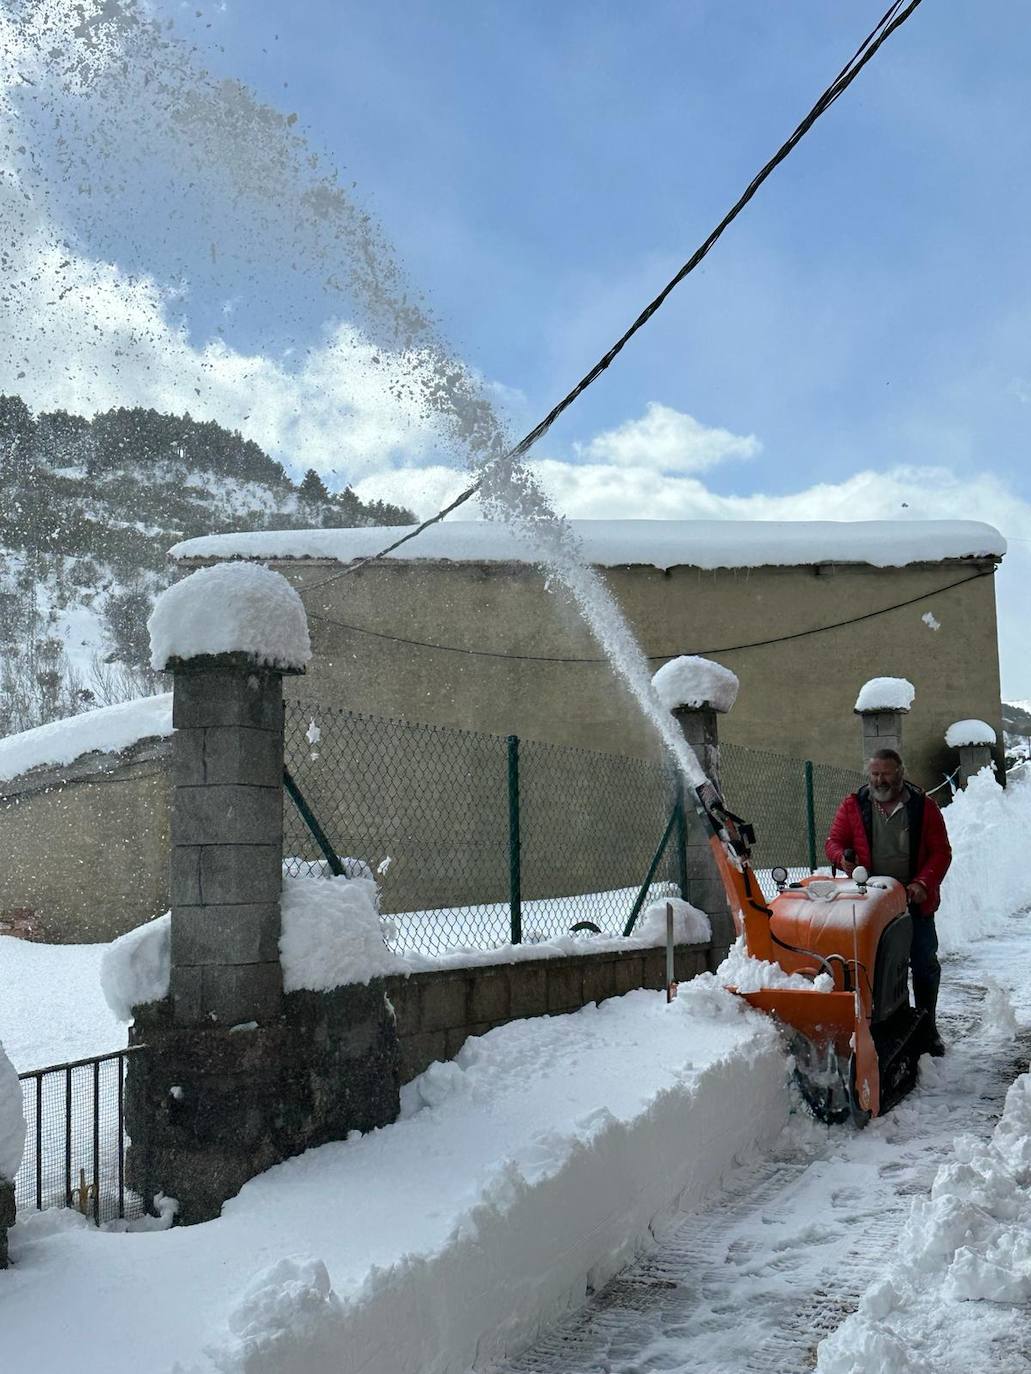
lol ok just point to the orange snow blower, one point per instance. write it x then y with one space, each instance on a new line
855 1038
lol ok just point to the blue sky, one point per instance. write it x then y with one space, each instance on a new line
856 346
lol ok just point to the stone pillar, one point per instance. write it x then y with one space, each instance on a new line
704 886
881 729
7 1214
972 758
227 841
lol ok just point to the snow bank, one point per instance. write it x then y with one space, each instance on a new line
231 608
332 934
533 1166
969 732
12 1120
990 877
693 681
563 1196
653 543
107 730
968 1243
885 694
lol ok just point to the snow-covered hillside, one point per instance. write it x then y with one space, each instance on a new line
88 511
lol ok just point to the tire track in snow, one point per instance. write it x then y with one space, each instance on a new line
784 1252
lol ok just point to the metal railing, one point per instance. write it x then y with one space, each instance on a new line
75 1140
477 840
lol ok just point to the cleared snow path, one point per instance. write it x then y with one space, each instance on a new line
753 1282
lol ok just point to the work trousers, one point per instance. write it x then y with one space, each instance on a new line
923 963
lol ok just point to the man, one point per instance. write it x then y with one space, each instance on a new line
895 830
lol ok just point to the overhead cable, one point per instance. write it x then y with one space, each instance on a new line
705 653
893 19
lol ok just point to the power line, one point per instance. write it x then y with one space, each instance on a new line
891 20
725 649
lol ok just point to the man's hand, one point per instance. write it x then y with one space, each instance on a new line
917 894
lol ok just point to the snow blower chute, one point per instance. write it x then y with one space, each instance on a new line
855 1038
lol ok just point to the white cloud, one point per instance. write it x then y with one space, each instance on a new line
666 440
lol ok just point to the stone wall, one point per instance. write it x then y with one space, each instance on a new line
209 1108
436 1012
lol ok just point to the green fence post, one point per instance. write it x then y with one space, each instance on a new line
515 897
681 839
810 815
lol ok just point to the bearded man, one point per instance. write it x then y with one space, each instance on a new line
895 830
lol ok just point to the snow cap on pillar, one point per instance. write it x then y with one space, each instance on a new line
885 694
231 608
964 732
692 682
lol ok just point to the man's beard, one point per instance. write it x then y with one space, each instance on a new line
882 794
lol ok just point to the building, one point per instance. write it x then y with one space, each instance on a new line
461 627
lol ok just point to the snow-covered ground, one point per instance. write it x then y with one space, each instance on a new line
522 1176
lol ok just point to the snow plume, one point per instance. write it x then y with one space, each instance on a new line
989 879
116 101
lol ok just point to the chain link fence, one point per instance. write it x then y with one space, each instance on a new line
478 840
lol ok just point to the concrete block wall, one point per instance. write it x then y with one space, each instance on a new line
227 842
436 1012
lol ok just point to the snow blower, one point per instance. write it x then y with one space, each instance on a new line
855 1038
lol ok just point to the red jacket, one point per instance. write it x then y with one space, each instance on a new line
929 840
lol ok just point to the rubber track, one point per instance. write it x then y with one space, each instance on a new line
681 1306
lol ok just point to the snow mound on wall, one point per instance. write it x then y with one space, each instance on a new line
107 730
332 934
990 878
885 694
969 732
690 925
624 543
12 1120
967 1242
230 608
693 681
135 968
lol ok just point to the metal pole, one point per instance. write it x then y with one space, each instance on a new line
311 821
515 895
670 976
681 839
810 815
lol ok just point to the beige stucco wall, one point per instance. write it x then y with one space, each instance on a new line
86 848
796 697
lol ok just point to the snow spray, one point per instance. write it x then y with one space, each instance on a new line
108 115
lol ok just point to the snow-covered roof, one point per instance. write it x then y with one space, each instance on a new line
106 730
230 608
885 694
693 681
617 543
969 732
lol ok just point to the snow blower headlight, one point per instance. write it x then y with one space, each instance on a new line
779 875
